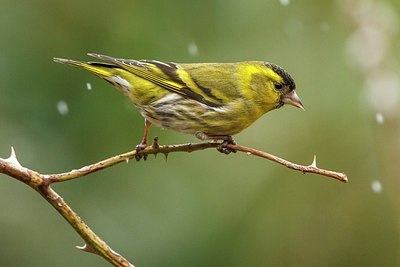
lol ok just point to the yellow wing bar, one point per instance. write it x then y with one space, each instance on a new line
166 75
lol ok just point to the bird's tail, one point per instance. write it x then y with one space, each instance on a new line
104 70
111 73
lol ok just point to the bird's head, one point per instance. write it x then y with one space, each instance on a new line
284 86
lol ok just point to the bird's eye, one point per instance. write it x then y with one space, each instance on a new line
278 86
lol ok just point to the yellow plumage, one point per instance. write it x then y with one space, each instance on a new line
209 100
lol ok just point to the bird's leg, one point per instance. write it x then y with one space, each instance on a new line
143 144
226 140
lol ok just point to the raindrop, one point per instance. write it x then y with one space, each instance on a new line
324 27
284 2
383 91
293 27
89 86
376 186
193 49
62 107
379 118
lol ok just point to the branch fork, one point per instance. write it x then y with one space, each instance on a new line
93 244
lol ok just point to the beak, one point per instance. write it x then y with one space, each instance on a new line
293 99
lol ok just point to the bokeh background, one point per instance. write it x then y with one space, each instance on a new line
205 208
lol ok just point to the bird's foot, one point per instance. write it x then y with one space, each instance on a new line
140 147
224 148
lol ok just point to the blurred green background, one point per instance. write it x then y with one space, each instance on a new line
205 208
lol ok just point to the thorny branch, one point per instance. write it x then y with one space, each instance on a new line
41 183
166 149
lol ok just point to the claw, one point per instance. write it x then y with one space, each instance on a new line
140 147
223 147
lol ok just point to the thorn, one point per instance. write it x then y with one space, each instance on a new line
86 248
82 247
13 154
314 163
166 157
127 160
13 158
155 144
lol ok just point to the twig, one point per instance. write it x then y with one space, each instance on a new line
52 178
312 168
41 183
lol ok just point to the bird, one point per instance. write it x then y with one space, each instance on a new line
212 101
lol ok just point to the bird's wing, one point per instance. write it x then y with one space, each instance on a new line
167 75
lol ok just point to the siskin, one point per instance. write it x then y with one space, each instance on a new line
210 100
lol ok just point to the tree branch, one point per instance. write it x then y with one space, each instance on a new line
166 149
41 183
